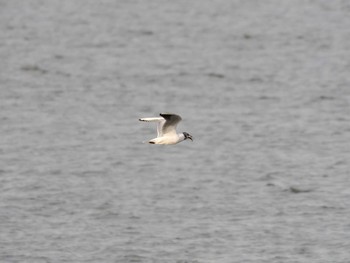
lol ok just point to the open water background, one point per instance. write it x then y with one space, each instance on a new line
263 86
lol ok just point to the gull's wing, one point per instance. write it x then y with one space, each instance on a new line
159 120
152 119
171 121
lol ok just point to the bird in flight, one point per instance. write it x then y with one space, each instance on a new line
166 129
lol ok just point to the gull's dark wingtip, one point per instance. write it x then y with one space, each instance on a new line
171 117
167 114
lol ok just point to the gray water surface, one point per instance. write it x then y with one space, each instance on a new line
263 86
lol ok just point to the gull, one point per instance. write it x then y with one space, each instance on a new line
166 129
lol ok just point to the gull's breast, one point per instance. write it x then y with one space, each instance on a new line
166 140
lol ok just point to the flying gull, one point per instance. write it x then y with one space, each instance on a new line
166 129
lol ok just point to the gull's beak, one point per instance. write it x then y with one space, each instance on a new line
187 136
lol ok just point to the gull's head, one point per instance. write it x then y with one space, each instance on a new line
187 136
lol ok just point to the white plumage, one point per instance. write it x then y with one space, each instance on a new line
166 129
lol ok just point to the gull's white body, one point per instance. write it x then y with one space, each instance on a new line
166 129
